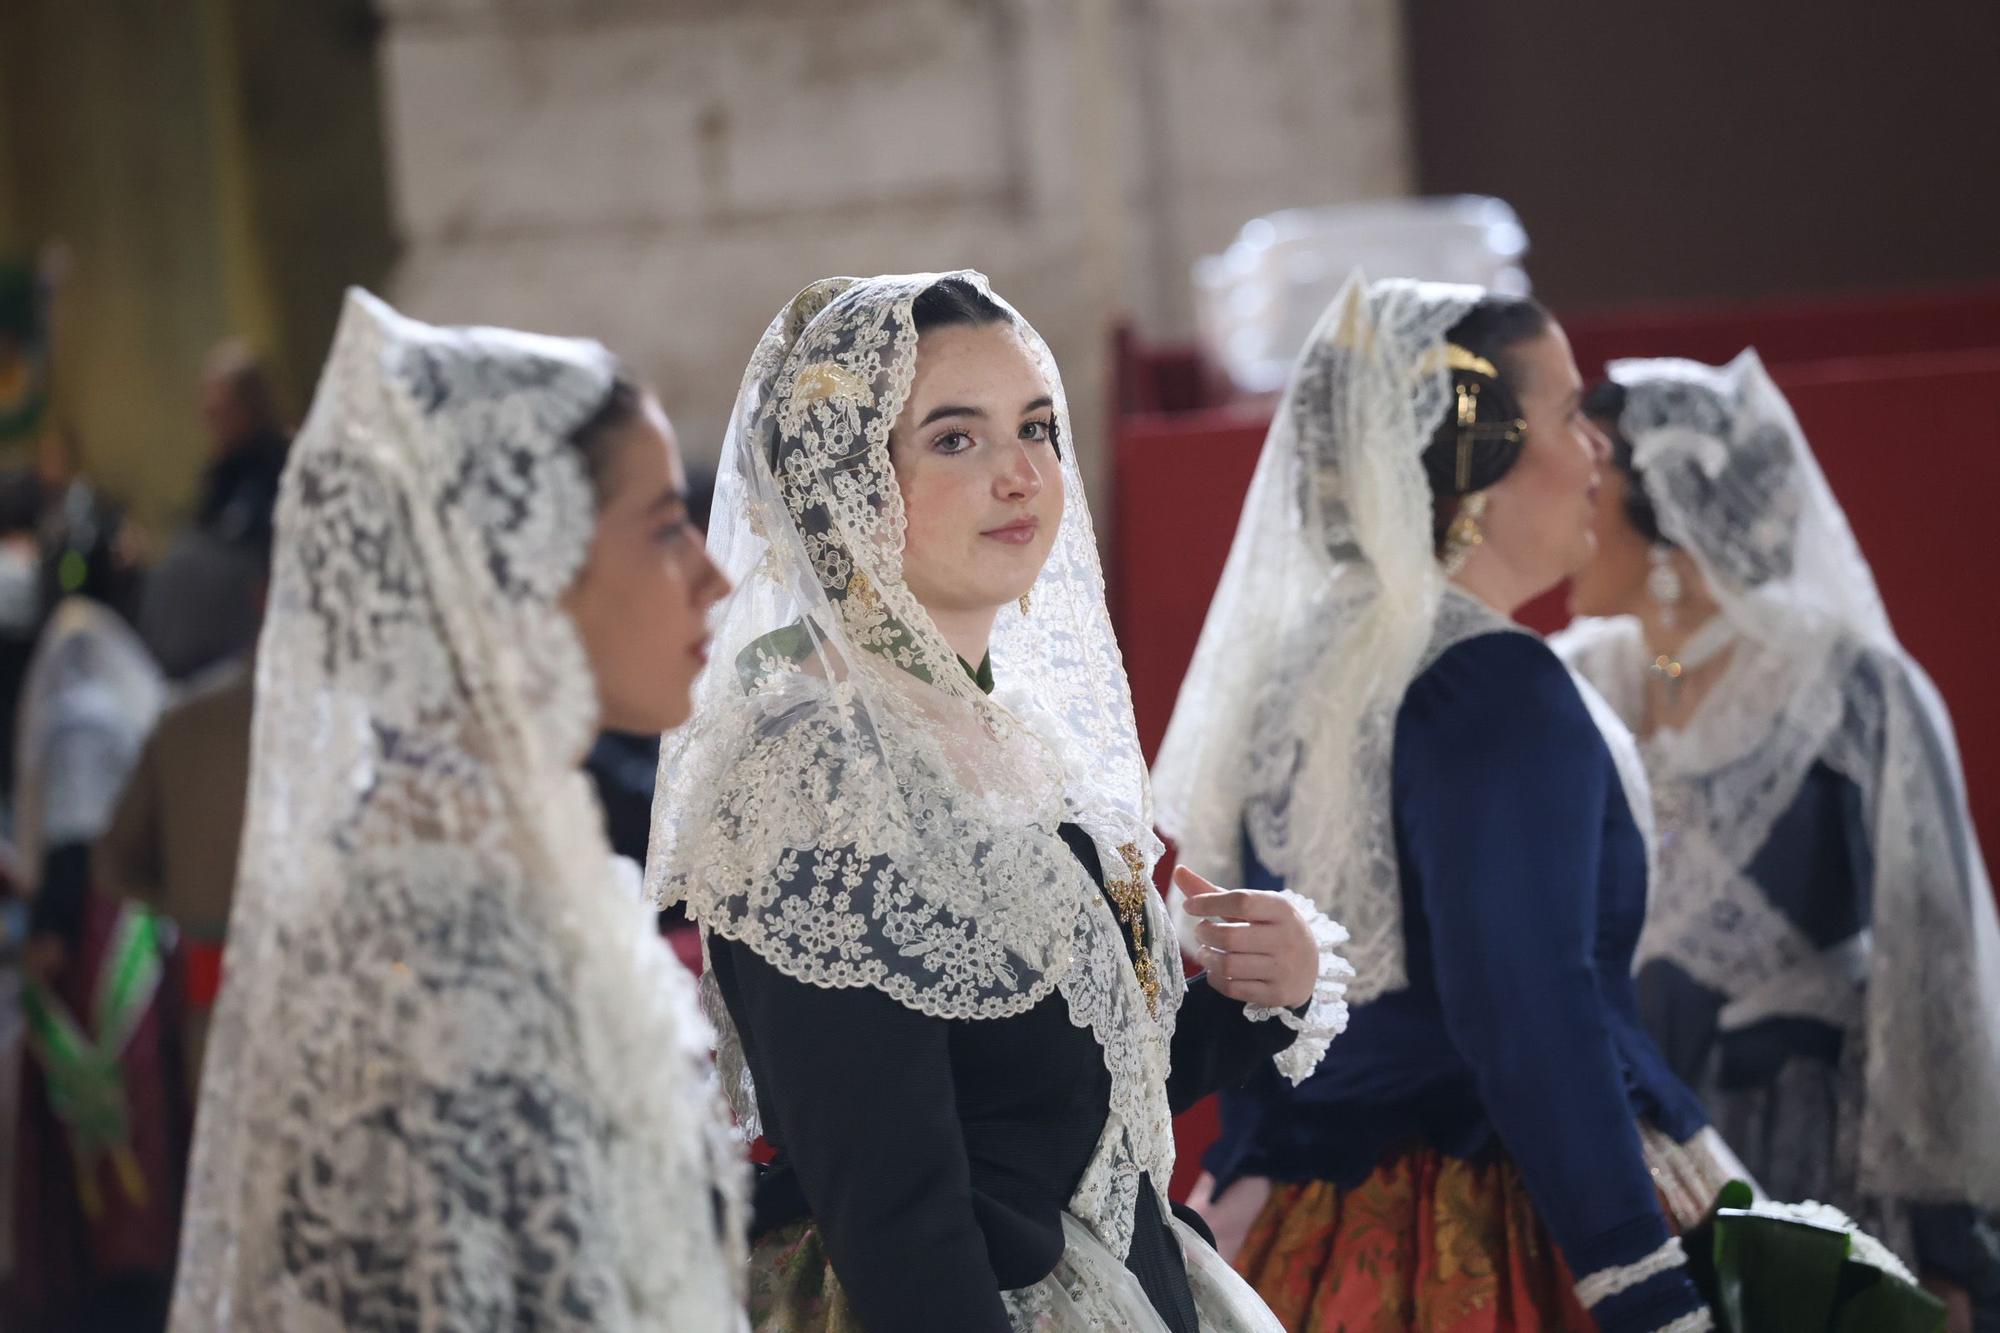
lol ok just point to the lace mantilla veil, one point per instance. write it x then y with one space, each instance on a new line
454 1079
1815 674
848 804
1329 606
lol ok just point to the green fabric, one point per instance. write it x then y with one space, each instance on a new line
792 644
781 648
982 675
85 1090
1765 1274
130 980
24 354
86 1086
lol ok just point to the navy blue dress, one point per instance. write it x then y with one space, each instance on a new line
1524 889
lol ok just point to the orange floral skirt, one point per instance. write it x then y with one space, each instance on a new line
1427 1242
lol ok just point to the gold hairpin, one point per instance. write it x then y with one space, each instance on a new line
1471 430
1468 418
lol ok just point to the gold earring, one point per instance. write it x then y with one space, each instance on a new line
1024 603
1464 536
863 595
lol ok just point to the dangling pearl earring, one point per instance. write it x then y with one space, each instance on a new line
1024 602
1663 583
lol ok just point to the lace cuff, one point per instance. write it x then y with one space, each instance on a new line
1325 1015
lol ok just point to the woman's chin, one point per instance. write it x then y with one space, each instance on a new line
1587 596
1581 556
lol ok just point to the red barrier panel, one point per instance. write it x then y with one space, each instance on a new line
1911 446
1173 377
1792 331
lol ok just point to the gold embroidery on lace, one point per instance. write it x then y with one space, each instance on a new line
1129 895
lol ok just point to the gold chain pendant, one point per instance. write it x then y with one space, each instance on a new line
1129 895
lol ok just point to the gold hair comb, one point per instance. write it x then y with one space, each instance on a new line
825 379
1464 358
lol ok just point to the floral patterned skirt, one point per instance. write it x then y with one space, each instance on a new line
1427 1242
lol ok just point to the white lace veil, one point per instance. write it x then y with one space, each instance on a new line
454 1078
847 803
1326 607
1816 675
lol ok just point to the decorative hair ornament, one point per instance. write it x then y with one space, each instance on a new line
1471 430
1464 358
827 379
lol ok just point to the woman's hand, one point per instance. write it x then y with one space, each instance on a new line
1230 1214
1957 1302
1254 945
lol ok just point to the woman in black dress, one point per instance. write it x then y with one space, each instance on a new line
912 820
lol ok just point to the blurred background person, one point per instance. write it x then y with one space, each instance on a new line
172 841
102 1124
1821 959
248 443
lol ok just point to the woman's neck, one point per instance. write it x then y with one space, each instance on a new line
968 632
1493 583
1667 632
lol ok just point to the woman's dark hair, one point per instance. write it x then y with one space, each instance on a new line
956 303
952 302
1605 405
1492 330
596 439
1745 518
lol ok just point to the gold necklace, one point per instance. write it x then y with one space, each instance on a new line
1129 896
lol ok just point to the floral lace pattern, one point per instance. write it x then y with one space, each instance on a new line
1326 1014
1285 721
848 803
1816 676
454 1079
1091 1290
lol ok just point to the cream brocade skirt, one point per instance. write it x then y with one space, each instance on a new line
793 1289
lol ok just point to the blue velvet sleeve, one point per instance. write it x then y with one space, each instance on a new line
1503 791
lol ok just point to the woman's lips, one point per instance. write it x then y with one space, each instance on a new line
700 652
1018 533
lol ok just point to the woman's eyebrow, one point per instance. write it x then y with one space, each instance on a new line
951 410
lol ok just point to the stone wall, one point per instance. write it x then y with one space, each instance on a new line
665 175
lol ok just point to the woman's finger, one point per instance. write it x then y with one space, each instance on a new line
1233 935
1241 936
1249 966
1240 905
1249 992
1189 883
1214 902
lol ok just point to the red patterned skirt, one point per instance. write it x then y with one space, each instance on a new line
1427 1242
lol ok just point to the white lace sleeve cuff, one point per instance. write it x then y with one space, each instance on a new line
1325 1015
